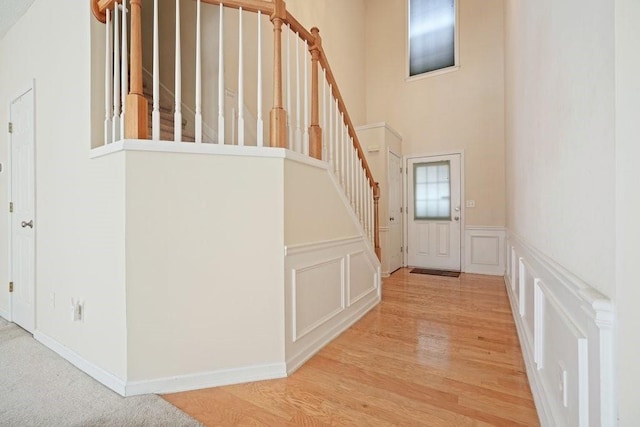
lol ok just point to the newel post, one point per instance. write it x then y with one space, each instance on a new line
136 118
315 131
278 115
376 221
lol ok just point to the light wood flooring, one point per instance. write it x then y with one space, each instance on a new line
435 352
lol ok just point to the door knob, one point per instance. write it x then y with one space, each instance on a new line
392 219
26 224
457 218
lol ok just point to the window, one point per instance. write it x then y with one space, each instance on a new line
432 191
432 35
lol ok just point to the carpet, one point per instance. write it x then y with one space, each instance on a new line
39 388
445 273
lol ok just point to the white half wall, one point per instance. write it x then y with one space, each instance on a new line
484 250
566 333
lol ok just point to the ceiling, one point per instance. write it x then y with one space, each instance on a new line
10 12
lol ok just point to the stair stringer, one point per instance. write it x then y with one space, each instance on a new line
330 283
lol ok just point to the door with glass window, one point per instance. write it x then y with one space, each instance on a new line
434 212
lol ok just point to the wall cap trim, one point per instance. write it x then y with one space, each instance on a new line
379 125
302 248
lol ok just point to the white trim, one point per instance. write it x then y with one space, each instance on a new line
109 380
380 125
209 379
293 363
6 315
317 246
405 202
472 233
584 313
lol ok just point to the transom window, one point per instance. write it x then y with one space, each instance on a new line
432 35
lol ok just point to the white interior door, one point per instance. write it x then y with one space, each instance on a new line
22 200
395 214
434 212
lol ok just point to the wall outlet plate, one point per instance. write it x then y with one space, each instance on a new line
471 203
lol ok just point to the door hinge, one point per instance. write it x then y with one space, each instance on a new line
10 207
10 287
400 209
400 249
10 127
400 170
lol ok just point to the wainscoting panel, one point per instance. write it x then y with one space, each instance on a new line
318 292
328 287
484 250
565 330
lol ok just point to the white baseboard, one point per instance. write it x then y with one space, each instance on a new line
6 315
114 383
207 379
565 328
484 250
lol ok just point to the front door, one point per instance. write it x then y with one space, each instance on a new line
434 212
22 201
395 215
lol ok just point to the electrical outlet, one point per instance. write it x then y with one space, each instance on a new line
77 310
562 385
471 203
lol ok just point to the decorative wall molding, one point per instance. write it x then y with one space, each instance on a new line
565 329
333 283
484 250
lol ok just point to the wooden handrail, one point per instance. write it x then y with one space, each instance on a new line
256 6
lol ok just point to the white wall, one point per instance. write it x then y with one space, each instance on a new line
71 216
627 61
460 110
560 133
205 264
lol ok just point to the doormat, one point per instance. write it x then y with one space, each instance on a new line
445 273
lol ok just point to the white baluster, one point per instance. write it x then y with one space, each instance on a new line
198 112
221 78
336 141
305 127
240 81
124 68
260 123
116 75
155 114
290 134
298 141
343 152
354 171
358 188
177 116
370 211
325 153
347 158
329 132
108 104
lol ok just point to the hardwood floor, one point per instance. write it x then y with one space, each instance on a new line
435 352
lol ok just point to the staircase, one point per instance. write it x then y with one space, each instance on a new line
166 120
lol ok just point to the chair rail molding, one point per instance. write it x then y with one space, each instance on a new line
565 328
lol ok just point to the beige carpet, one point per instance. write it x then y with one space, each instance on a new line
39 388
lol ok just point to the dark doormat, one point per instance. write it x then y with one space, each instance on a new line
445 273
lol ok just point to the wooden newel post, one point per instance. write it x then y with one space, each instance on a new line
135 126
278 115
315 131
376 221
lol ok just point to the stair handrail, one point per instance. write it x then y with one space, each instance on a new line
136 118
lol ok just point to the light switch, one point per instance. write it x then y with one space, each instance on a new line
471 203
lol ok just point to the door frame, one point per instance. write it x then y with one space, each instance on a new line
402 202
30 86
405 188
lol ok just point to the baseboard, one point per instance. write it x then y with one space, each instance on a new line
6 315
565 328
484 250
310 350
97 373
206 379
